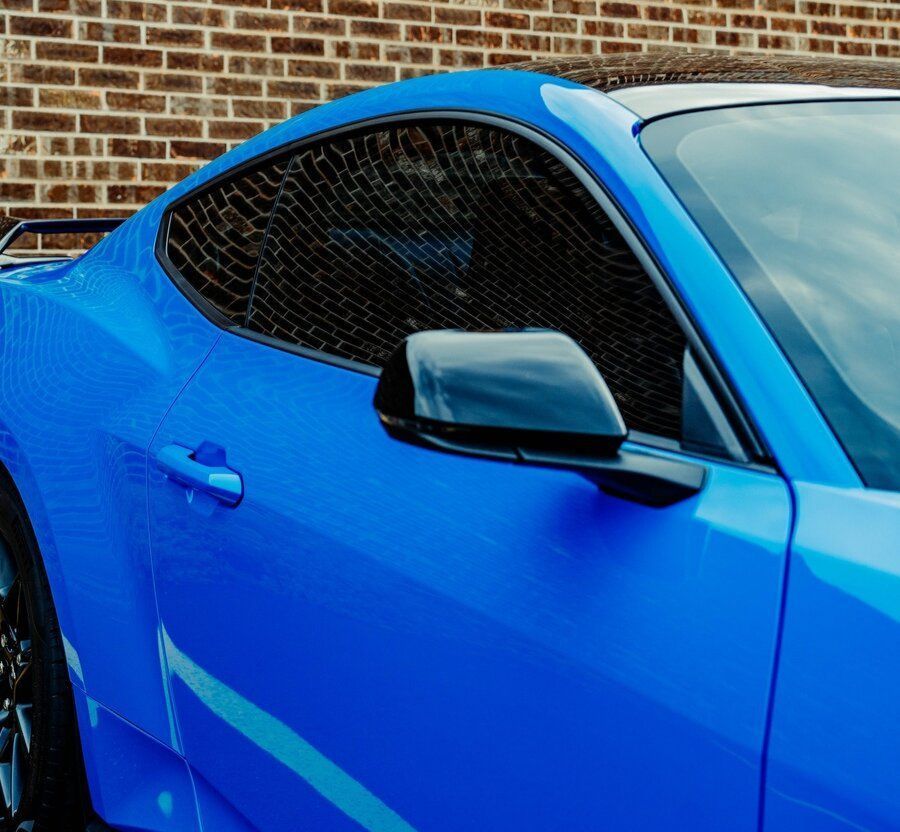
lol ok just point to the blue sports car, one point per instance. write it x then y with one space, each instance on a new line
508 450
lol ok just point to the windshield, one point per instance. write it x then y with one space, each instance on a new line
802 201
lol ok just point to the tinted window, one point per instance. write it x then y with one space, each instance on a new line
803 203
455 226
215 237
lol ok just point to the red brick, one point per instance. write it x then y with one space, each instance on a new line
430 34
198 15
298 46
478 37
503 20
620 10
459 17
136 10
377 29
324 25
408 54
611 46
16 192
126 56
166 171
565 25
41 26
293 89
854 47
370 72
262 108
356 50
667 13
133 194
788 24
21 97
34 74
353 8
816 45
181 127
237 42
259 21
748 21
314 69
135 101
461 58
171 82
111 32
69 99
109 124
56 50
43 121
826 27
195 150
108 78
195 60
299 5
174 37
407 11
777 41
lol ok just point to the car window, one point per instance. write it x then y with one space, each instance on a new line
802 202
214 238
445 225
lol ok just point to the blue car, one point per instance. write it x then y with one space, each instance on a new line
508 450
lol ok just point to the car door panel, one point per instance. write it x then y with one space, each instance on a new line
384 636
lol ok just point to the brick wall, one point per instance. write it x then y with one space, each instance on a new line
105 103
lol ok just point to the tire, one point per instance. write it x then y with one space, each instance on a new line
39 773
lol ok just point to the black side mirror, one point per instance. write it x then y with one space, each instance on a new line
530 396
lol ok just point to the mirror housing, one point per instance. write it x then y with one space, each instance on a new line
532 388
530 396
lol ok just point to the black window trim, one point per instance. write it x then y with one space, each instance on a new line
756 454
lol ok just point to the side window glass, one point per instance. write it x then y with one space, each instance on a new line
445 225
214 238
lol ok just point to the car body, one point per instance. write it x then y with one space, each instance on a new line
384 637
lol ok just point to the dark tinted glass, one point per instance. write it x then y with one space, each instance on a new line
443 226
803 203
215 238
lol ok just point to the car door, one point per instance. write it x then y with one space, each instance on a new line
361 633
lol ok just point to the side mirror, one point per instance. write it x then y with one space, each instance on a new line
529 396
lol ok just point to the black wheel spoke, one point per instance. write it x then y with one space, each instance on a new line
16 693
17 777
6 784
23 717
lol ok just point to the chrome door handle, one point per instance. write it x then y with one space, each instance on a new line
179 464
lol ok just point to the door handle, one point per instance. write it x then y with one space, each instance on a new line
181 465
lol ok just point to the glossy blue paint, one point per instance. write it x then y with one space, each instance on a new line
93 352
561 653
136 782
383 637
834 761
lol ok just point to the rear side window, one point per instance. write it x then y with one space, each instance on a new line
215 237
432 226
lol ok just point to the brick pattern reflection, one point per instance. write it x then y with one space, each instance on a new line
451 226
214 239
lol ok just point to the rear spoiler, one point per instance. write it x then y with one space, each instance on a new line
80 225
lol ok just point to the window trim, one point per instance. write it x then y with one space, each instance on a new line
756 454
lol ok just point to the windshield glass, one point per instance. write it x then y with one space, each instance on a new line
802 201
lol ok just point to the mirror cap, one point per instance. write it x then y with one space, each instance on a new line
529 388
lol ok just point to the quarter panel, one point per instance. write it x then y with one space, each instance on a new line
91 355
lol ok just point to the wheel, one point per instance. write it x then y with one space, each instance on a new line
38 775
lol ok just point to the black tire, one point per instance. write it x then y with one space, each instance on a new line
48 792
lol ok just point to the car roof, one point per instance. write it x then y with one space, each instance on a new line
659 83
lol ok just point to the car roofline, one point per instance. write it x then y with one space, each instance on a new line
654 101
